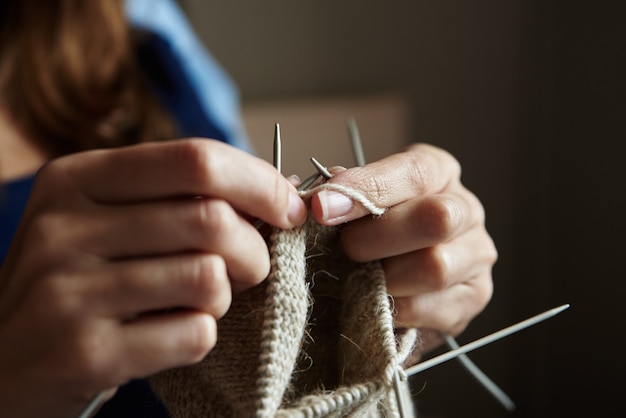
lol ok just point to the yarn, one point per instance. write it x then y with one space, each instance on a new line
350 192
297 347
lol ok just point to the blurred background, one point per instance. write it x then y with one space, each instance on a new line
530 96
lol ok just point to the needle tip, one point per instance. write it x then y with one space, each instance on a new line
561 308
321 169
277 148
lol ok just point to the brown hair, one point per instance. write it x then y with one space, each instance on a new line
69 79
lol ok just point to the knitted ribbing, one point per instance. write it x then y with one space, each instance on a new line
286 307
315 339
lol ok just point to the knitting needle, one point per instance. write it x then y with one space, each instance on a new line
482 378
355 139
359 158
321 169
306 184
277 148
479 375
399 398
420 367
93 406
276 162
98 399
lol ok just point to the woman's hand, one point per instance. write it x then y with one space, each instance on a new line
123 262
432 240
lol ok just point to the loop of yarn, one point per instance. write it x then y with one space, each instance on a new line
350 192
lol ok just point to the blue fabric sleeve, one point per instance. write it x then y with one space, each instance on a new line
216 92
13 198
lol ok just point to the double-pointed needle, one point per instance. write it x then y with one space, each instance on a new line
420 367
482 378
277 149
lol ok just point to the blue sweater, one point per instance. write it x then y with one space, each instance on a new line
204 103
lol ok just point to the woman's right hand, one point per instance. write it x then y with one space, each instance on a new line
124 260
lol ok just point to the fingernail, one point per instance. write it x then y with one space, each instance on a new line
334 204
294 180
296 213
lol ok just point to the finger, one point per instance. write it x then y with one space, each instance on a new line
412 225
440 267
165 341
184 168
166 227
419 171
449 310
129 289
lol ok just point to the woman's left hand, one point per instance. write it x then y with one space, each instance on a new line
432 240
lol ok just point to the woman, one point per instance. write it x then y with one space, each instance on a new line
119 230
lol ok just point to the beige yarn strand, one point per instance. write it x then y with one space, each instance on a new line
350 192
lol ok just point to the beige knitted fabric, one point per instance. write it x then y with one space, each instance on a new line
314 340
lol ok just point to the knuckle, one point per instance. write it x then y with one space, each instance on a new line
212 217
419 175
484 292
198 156
444 215
200 338
491 250
46 229
210 283
452 163
475 206
278 196
57 293
438 266
425 157
91 356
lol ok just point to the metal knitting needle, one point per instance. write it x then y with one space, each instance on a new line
399 398
306 184
98 399
277 148
321 169
418 368
478 374
357 146
276 162
465 361
93 406
359 158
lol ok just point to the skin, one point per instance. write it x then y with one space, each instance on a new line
139 250
432 240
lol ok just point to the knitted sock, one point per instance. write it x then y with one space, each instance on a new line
315 339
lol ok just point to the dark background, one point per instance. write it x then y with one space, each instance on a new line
530 97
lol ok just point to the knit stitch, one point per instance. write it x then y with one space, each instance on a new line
315 339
